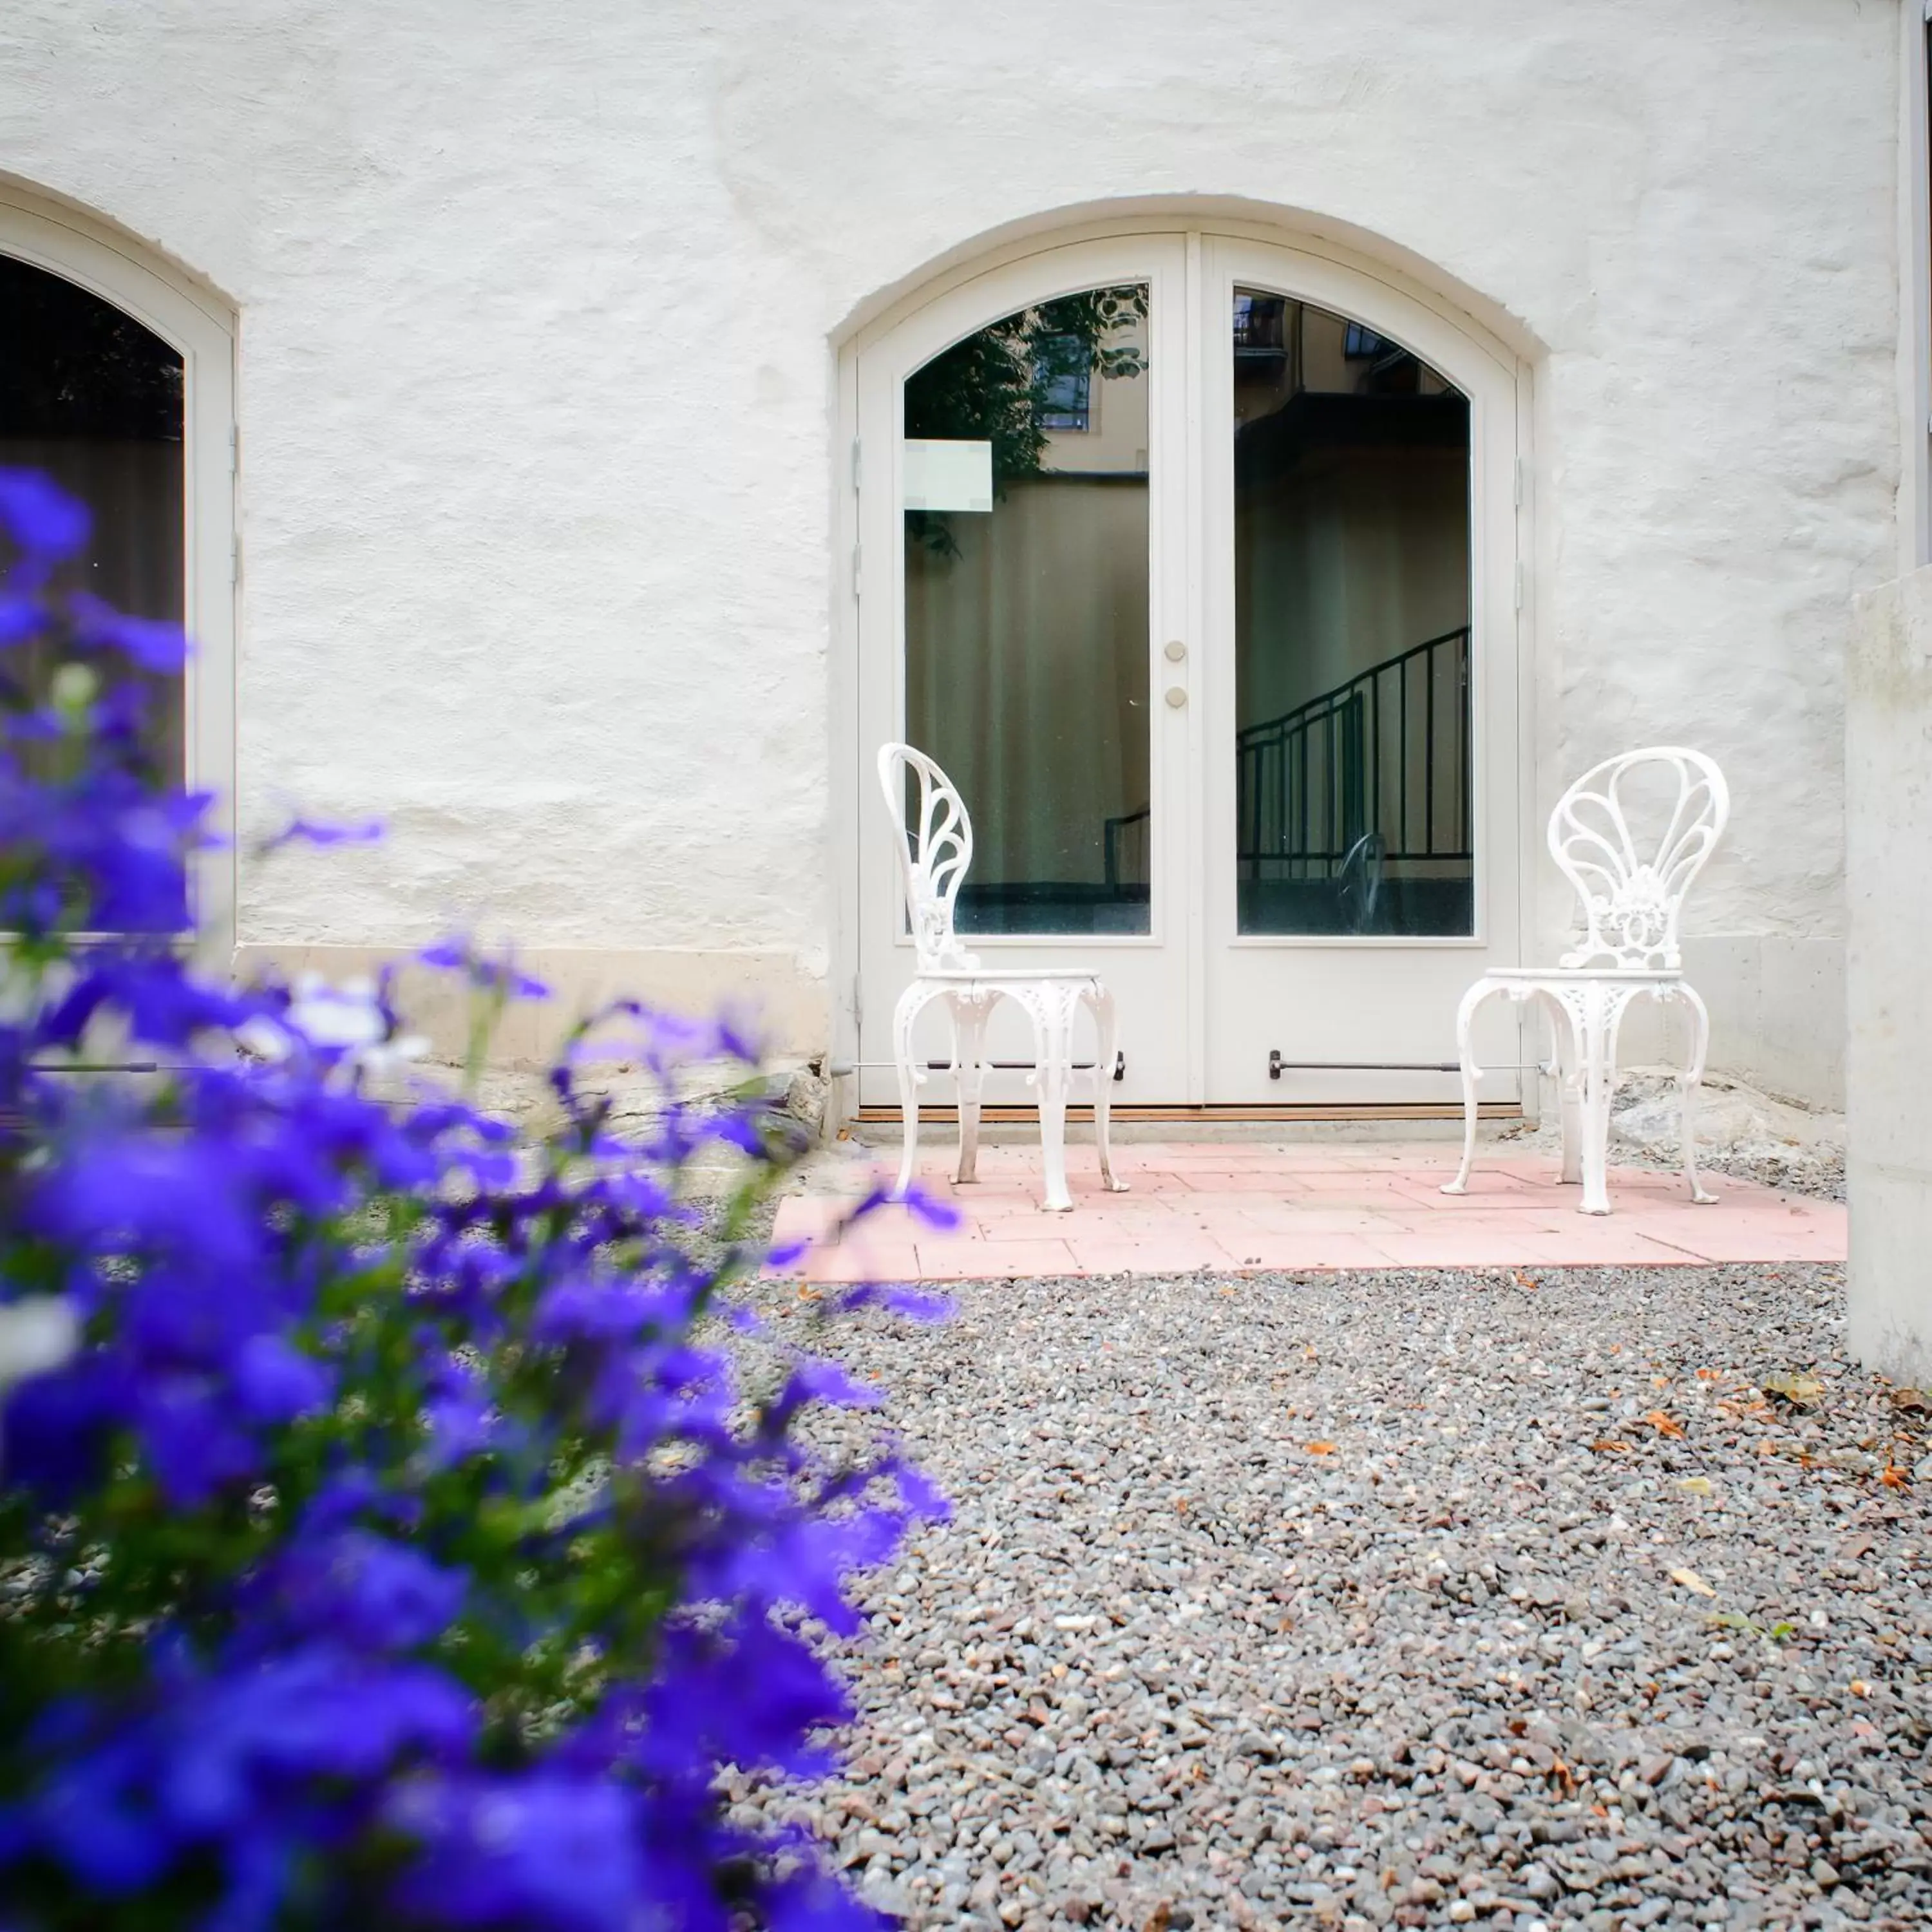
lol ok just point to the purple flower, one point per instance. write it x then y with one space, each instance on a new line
434 1560
275 1381
153 646
549 1850
21 619
372 1593
45 524
300 831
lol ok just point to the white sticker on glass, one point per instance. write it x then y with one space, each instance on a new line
948 475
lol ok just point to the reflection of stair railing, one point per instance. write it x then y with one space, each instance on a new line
1388 752
1381 761
1125 840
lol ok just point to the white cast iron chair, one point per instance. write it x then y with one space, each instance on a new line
935 851
1631 904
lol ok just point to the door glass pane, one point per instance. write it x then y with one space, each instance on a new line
1025 468
1351 630
93 399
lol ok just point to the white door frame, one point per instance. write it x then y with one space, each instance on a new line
1441 328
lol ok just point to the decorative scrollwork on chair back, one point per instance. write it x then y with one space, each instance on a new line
933 835
1633 894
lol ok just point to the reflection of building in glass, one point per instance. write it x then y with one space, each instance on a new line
1352 611
1064 377
1027 637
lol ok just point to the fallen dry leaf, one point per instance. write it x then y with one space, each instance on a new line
1697 1486
1662 1424
1893 1477
1802 1391
1691 1580
1914 1402
1319 1448
1609 1445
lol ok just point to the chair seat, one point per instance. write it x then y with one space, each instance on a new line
967 975
1584 972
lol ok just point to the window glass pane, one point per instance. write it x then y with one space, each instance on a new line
1352 620
93 399
1026 608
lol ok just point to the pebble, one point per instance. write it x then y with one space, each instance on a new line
1166 1666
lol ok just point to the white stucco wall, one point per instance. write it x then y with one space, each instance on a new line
539 310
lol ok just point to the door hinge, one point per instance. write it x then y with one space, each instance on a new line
855 462
1520 490
235 559
1519 587
234 449
855 573
858 1003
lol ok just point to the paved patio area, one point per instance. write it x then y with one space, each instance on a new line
1231 1208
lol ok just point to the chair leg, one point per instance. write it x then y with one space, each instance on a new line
1690 1083
1052 1008
905 1016
969 1062
1599 1011
1465 1015
1106 1028
1569 1094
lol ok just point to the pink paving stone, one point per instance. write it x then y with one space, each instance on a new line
1282 1217
1456 1247
1177 1257
1300 1206
854 1262
1547 1217
1268 1248
994 1260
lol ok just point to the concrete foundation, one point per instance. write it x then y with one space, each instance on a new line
1889 837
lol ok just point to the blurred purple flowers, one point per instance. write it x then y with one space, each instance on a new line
391 1529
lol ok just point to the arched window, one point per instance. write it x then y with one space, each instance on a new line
117 379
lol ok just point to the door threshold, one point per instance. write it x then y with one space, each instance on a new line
1312 1112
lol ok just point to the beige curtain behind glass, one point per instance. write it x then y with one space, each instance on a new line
1026 671
134 561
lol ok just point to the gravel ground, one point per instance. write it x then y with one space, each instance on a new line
1742 1131
1415 1599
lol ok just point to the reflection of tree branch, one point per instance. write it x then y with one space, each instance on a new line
76 366
995 385
930 529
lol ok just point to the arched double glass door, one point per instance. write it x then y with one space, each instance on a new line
1193 559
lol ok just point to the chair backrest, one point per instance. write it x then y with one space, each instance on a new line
1632 889
935 846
